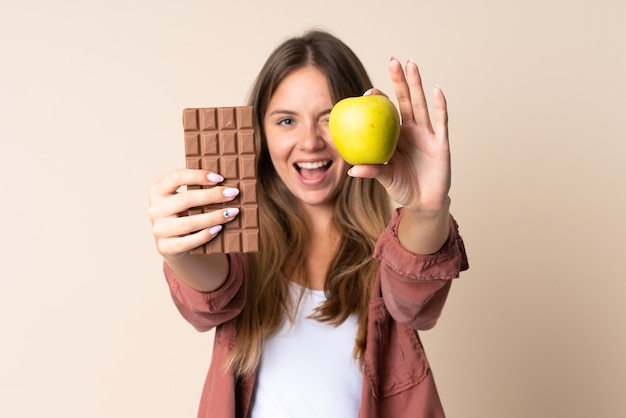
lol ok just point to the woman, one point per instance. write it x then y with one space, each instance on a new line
323 320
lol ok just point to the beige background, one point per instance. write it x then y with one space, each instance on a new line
91 94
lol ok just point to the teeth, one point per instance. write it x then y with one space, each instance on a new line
312 165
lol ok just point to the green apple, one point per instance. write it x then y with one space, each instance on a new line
365 129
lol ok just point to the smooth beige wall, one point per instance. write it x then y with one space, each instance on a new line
91 94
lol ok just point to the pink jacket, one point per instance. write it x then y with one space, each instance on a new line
408 295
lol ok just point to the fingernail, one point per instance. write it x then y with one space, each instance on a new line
215 229
230 192
215 178
368 92
230 213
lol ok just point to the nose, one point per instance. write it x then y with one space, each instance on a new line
312 138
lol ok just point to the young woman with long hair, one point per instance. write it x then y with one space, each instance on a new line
323 321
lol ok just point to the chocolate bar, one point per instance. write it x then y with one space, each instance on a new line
221 139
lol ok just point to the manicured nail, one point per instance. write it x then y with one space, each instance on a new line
230 213
369 92
230 192
215 229
215 178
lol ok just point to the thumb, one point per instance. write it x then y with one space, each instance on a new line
380 172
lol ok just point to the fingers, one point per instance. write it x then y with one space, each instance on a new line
170 184
184 225
174 180
375 91
181 202
194 232
175 247
441 113
175 234
418 99
401 89
407 85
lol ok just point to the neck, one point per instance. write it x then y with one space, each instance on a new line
322 245
318 217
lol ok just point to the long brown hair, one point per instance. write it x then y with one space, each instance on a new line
362 210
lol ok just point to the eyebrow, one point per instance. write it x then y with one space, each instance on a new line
281 112
291 112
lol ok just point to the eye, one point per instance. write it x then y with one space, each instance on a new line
324 118
286 122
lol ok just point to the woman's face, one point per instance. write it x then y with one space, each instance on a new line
296 127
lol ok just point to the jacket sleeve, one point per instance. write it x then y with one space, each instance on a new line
415 287
206 310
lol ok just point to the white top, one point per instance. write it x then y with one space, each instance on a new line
308 369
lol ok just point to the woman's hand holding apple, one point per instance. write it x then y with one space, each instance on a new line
418 175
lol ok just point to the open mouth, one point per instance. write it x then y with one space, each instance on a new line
312 169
